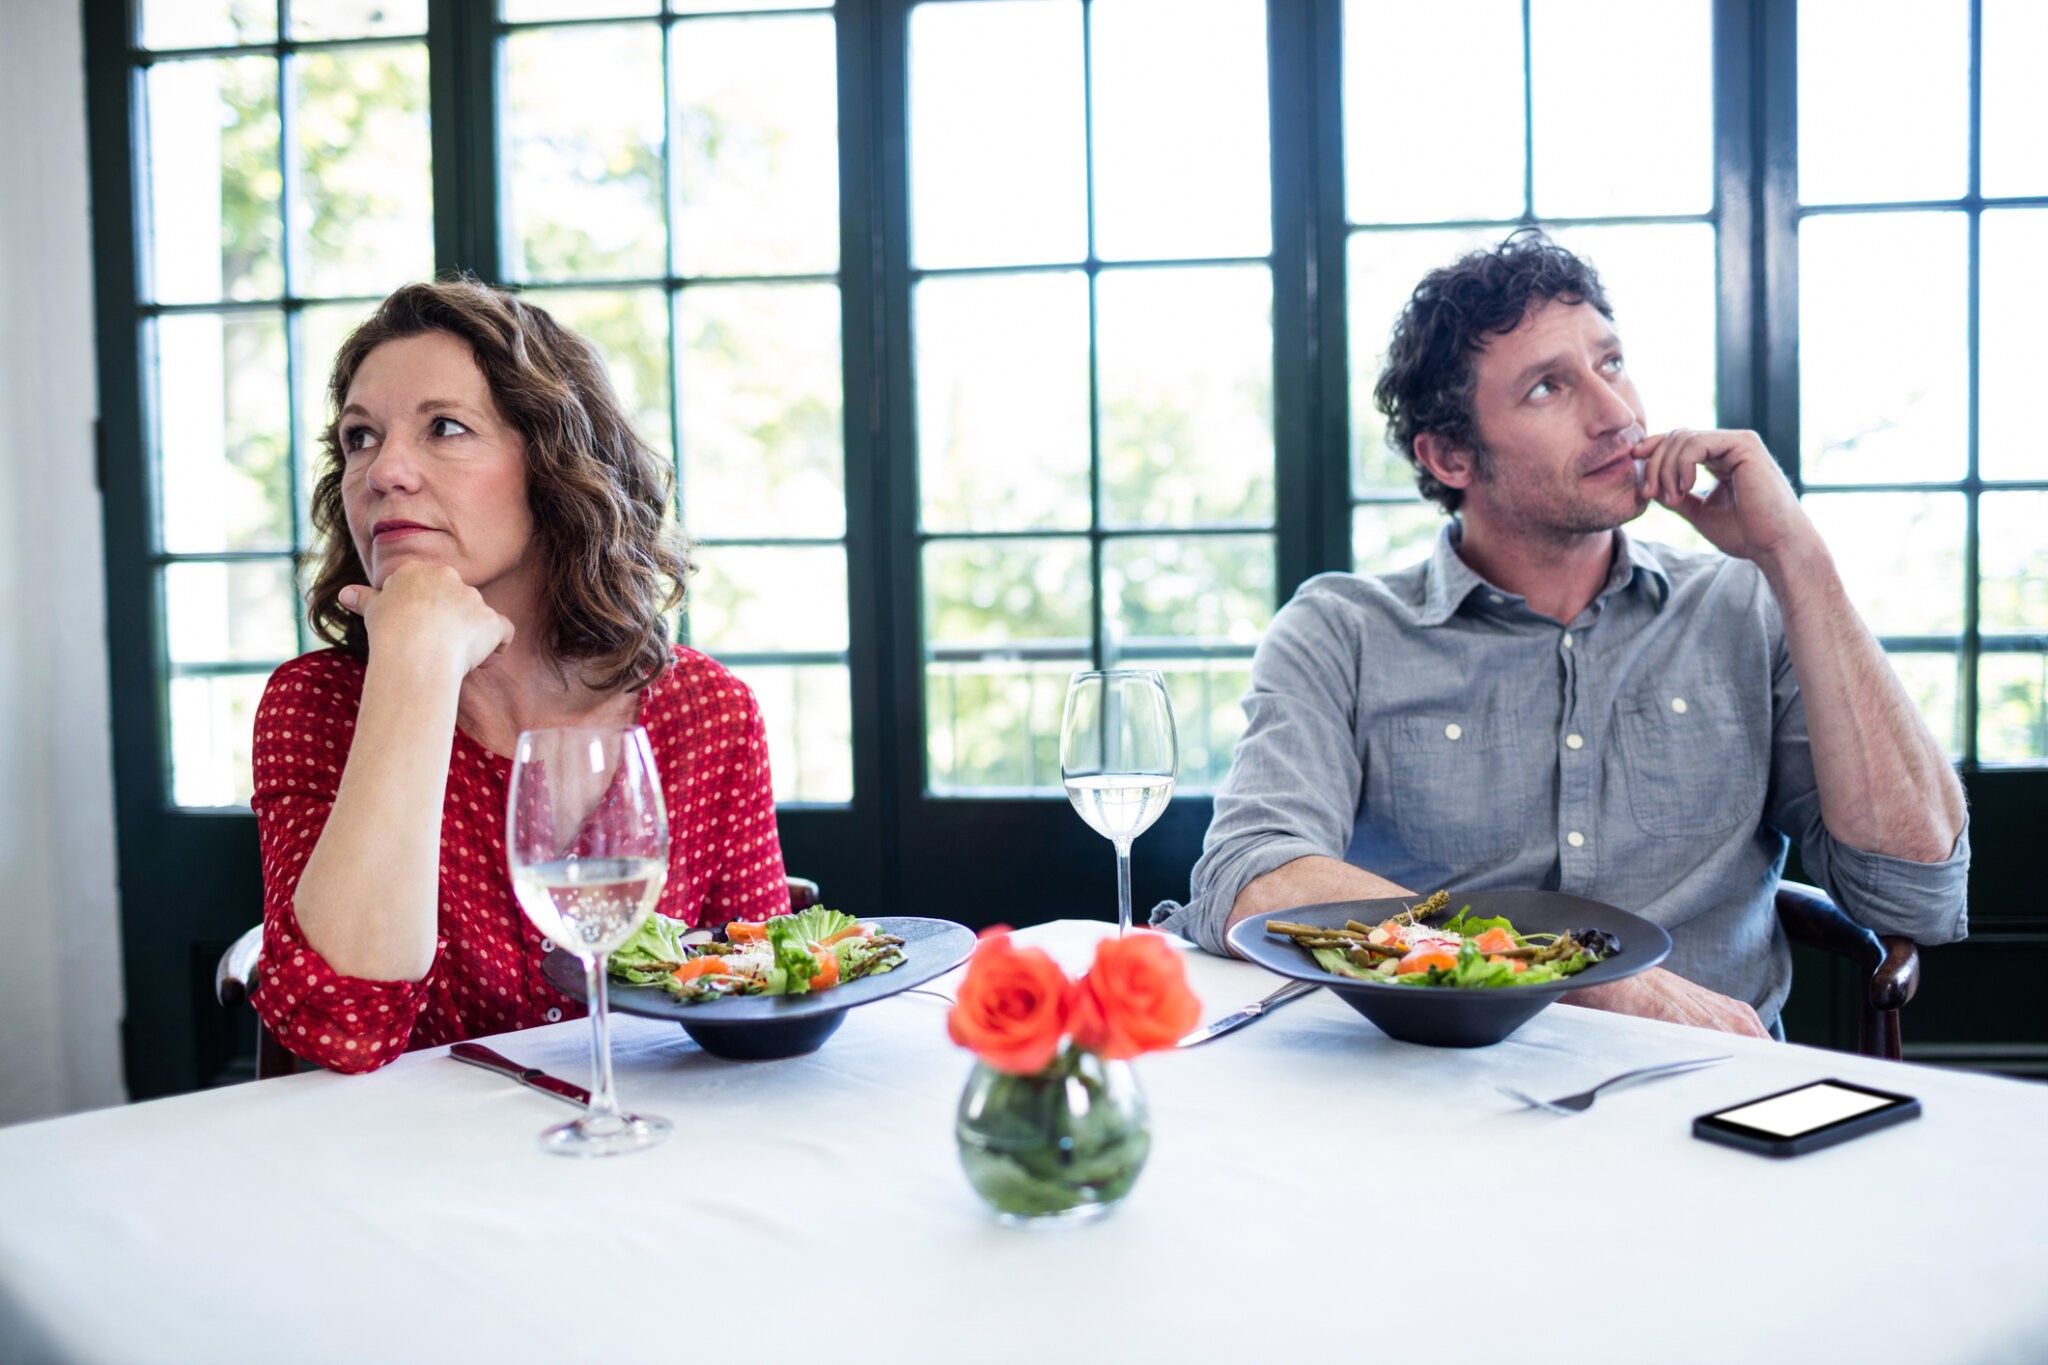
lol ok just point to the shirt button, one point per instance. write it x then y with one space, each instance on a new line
553 1016
1678 705
1575 839
1567 639
1453 730
1496 599
547 945
1574 742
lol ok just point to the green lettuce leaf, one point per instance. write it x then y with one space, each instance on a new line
1472 928
659 940
793 953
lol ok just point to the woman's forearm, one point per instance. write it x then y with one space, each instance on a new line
368 898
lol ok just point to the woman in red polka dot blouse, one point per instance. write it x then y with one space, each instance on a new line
496 558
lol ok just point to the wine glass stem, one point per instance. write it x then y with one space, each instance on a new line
603 1104
1123 887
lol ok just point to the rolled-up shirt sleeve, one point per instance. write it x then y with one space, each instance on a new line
1294 779
1925 902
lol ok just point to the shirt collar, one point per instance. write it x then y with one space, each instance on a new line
1451 580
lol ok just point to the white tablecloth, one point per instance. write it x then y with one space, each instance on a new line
1315 1190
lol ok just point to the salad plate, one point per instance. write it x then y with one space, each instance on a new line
1451 1016
754 1028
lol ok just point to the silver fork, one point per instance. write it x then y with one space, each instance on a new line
1581 1102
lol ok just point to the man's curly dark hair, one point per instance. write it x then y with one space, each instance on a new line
1428 380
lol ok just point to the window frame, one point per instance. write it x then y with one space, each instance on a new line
897 847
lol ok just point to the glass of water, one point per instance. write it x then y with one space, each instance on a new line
587 840
1118 757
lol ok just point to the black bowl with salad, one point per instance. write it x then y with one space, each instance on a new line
780 988
1453 970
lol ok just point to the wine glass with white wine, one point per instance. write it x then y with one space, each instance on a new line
1118 757
587 840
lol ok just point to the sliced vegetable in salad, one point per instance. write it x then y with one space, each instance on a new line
1465 950
813 950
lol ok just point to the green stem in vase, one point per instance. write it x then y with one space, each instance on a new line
1066 1141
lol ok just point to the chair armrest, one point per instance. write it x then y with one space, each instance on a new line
803 894
238 968
1898 976
1811 917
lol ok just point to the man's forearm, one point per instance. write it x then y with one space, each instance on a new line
1309 881
1885 786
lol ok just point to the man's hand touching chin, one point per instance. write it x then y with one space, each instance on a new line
1658 994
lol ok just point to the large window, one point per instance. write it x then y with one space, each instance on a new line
995 339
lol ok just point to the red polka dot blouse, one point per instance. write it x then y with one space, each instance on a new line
725 861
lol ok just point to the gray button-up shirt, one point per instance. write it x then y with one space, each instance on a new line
1653 754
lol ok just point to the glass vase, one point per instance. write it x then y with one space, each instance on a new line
1062 1144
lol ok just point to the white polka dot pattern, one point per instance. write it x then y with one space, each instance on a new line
725 861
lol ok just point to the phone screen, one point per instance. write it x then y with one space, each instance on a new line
1801 1111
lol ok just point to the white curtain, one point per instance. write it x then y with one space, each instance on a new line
60 947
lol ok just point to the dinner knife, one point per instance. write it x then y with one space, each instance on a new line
1293 990
477 1055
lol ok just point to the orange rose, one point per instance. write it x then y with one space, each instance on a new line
1134 999
1013 1008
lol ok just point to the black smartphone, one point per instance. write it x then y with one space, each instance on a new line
1806 1118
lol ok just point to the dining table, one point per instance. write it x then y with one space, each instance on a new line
1315 1190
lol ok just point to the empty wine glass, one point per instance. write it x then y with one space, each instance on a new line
1118 757
587 839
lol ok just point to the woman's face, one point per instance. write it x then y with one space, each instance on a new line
432 471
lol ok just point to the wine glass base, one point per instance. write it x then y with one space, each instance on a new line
607 1135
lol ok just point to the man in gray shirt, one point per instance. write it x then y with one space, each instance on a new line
1548 703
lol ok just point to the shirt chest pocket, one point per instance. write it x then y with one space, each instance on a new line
1453 787
1689 761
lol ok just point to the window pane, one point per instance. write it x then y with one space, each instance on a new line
1002 402
755 599
1663 526
1884 100
997 165
365 173
1469 165
1920 593
2015 98
763 444
996 595
629 327
1931 681
1660 282
528 11
322 329
756 147
732 6
1180 128
223 474
1596 154
213 720
808 711
1883 373
2012 573
994 726
1207 717
357 18
1186 382
1203 592
1382 273
583 178
215 217
2013 300
242 611
1392 535
2012 708
207 23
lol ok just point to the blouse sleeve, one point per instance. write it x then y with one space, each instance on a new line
742 843
303 728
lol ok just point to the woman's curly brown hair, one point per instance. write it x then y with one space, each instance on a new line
613 562
1428 380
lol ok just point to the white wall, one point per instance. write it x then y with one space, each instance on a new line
60 947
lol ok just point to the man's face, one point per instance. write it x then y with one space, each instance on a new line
1560 419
